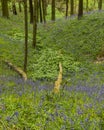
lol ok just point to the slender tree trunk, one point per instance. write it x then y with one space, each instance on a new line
87 2
5 11
26 35
100 4
35 23
46 5
37 11
44 10
40 11
31 11
53 10
20 9
14 8
71 7
75 6
67 7
80 9
94 2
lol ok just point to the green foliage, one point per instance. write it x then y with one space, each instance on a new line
48 111
46 64
75 44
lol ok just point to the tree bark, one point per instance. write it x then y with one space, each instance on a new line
53 10
87 2
14 8
100 4
67 2
26 35
5 11
44 10
20 8
40 11
71 7
35 23
80 9
31 11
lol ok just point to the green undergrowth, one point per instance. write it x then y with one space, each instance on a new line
76 44
47 111
32 105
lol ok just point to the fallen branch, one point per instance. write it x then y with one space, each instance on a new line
58 81
99 60
17 69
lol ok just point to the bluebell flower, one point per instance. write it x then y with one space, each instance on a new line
8 118
16 114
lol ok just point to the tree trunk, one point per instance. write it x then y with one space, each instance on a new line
26 35
71 7
44 10
80 9
40 11
5 11
35 23
31 11
19 3
67 2
14 8
53 10
100 4
87 2
75 6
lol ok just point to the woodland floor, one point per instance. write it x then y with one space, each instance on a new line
79 46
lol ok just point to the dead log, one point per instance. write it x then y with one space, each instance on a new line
16 69
58 81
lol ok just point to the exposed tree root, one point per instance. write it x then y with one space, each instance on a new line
16 69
